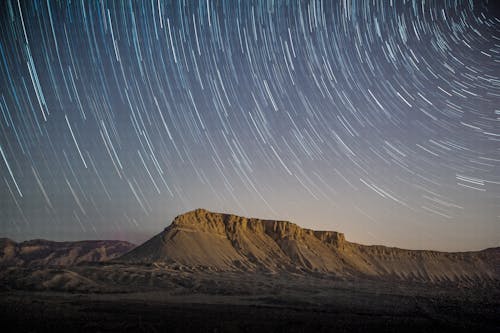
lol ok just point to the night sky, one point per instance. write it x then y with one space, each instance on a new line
379 119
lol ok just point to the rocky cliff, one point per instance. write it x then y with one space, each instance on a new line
222 242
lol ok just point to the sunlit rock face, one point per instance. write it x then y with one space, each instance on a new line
201 239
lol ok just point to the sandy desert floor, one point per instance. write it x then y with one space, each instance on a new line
235 302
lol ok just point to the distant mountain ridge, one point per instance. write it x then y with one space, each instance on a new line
226 242
40 252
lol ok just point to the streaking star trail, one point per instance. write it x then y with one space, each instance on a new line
376 118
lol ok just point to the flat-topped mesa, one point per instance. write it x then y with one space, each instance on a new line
201 239
224 224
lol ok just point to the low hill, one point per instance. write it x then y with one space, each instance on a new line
40 252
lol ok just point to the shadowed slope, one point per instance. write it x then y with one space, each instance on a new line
40 252
224 242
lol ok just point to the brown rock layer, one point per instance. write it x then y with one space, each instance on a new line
225 242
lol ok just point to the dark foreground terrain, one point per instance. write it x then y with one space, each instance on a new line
222 302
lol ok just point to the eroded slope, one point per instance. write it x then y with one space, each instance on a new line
225 242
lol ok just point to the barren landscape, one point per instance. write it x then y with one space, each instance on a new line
220 272
347 154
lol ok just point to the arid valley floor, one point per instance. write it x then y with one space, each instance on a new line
241 303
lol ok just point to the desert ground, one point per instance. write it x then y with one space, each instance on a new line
155 299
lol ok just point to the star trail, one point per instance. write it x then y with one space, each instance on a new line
379 119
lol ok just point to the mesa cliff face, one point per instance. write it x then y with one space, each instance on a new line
225 242
228 242
228 224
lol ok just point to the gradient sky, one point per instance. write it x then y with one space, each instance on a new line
379 119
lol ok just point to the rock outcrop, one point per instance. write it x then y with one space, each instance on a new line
225 242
